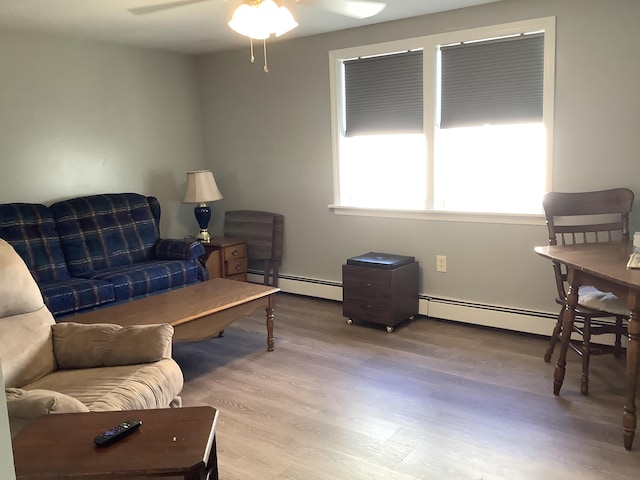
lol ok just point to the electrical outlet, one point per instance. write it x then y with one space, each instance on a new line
441 263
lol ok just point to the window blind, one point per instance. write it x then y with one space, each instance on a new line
383 94
492 82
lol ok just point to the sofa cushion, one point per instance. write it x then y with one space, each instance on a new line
127 387
76 294
148 277
31 229
105 231
78 345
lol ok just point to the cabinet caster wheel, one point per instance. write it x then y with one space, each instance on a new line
349 321
389 329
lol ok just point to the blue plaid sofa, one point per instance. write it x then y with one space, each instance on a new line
98 250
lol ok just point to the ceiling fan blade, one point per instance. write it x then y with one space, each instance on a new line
352 8
163 6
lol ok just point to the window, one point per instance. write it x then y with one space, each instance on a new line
457 122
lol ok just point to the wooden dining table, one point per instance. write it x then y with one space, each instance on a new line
604 266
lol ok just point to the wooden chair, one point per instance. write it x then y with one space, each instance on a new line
263 234
588 217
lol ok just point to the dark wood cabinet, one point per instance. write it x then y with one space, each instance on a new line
380 295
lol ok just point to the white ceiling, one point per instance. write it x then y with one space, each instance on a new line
194 28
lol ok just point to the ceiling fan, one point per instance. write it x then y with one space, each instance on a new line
350 8
258 19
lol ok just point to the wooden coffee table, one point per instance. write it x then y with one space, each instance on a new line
197 312
176 442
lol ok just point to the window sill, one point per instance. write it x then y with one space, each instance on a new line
442 215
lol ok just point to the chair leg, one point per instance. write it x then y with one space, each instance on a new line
617 351
555 337
276 273
586 356
267 272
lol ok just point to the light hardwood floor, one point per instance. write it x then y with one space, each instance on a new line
433 400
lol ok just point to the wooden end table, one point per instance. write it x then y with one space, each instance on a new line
170 442
226 257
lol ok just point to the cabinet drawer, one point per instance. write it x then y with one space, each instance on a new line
365 277
364 291
233 252
376 312
235 266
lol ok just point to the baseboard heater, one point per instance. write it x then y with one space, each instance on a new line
508 318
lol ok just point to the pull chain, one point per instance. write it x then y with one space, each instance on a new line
252 57
266 68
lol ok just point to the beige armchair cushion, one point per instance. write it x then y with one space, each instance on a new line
126 387
77 345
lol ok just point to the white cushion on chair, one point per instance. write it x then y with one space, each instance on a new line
594 299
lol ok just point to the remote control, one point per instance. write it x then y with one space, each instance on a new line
116 433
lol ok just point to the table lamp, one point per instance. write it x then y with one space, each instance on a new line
202 188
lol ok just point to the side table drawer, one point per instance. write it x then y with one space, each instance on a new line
234 252
235 266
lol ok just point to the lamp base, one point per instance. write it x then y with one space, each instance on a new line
203 215
204 236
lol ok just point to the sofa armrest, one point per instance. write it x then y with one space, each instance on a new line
172 249
78 345
25 405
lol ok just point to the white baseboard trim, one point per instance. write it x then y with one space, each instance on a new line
538 323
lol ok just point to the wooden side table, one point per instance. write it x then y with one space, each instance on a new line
226 257
177 442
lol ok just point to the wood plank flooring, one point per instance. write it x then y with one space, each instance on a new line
433 400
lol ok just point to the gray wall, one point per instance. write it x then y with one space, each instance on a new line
268 140
83 117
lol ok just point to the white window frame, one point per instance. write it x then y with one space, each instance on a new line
430 45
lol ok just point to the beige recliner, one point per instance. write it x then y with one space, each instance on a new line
65 367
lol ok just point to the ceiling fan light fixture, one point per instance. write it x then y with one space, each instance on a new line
285 21
246 21
258 19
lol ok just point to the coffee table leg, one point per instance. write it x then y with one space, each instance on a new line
270 316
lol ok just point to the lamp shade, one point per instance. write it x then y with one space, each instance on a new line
201 187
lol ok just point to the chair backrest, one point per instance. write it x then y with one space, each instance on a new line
31 230
586 217
262 231
106 231
26 345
